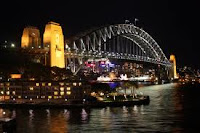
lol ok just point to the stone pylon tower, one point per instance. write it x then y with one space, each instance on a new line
53 40
173 72
31 38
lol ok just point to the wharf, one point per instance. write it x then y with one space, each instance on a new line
137 101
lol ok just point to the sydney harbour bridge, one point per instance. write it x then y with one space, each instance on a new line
118 41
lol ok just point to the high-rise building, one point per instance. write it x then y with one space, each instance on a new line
31 38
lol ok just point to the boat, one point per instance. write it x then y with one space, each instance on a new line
7 121
120 101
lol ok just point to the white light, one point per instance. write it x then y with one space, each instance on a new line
101 94
123 77
12 45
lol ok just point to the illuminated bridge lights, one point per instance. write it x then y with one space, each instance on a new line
120 41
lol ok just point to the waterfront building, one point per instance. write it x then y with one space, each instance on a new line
33 91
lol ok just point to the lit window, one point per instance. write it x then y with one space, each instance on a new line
61 83
43 84
93 94
8 84
61 88
13 92
19 96
56 88
74 84
68 92
80 84
61 93
8 92
7 97
68 88
42 96
55 93
2 92
49 84
55 97
8 88
31 88
49 97
1 84
37 84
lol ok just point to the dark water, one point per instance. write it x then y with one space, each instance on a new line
173 109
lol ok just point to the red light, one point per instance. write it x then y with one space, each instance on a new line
90 65
102 62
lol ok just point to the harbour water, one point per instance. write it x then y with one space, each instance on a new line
173 108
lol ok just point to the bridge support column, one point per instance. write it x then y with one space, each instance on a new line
54 40
173 73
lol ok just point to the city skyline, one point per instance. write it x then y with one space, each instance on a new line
164 21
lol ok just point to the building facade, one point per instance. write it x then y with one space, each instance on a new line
32 91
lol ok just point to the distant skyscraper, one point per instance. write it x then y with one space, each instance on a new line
31 38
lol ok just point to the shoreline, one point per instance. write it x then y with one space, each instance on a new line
144 101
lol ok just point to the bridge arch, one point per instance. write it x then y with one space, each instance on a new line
92 42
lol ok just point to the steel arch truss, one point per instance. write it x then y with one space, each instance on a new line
128 42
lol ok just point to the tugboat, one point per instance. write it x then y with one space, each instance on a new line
7 121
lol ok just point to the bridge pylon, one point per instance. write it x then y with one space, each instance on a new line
173 73
53 40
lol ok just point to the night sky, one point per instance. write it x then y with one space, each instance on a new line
173 23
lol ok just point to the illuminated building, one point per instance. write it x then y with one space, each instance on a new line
15 76
43 91
173 70
31 38
53 40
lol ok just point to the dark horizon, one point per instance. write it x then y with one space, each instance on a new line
172 24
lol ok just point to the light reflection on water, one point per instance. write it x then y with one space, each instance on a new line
172 109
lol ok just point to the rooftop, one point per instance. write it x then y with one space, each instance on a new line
54 23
